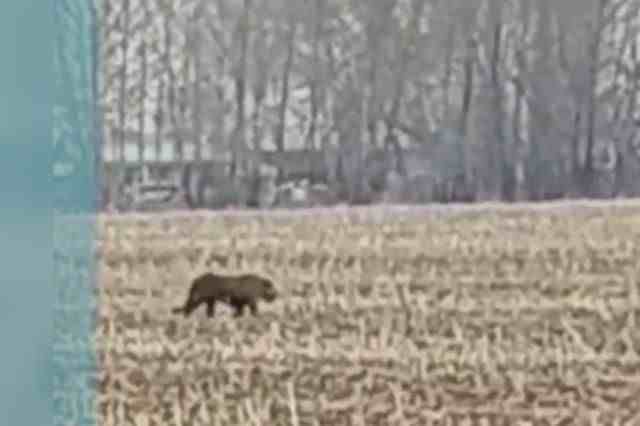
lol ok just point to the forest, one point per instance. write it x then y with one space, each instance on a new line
400 100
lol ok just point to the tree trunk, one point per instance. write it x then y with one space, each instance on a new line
627 171
377 22
143 94
448 71
284 92
317 25
239 140
417 8
517 140
171 89
534 162
498 160
158 117
576 158
538 126
124 46
589 172
197 92
467 97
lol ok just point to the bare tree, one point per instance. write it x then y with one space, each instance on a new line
125 21
407 41
171 87
198 77
290 38
240 71
627 163
525 95
587 175
142 90
159 113
317 17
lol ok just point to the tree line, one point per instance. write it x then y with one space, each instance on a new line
506 99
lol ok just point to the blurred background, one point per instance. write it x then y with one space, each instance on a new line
246 103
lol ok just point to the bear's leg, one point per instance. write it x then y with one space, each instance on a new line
239 307
254 308
211 307
191 306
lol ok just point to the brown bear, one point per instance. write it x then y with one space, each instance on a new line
237 291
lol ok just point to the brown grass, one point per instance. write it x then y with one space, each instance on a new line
483 315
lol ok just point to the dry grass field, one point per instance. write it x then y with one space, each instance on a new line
388 316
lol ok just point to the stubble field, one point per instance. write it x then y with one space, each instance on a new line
482 315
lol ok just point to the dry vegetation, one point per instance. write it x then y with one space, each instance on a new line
388 317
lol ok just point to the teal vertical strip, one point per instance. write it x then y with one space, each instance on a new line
47 212
26 245
76 137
